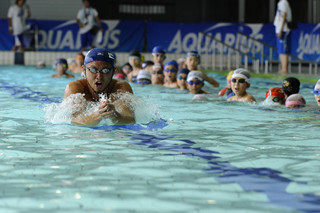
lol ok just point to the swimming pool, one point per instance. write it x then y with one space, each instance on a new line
208 156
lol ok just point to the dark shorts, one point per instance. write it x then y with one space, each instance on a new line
86 39
284 44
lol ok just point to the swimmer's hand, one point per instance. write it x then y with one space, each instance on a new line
106 110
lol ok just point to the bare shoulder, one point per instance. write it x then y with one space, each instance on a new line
251 98
123 86
78 86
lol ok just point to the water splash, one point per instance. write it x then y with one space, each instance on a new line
58 113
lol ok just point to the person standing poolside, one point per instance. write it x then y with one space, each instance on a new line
290 86
61 68
182 78
135 62
283 34
98 70
158 55
316 92
192 62
17 15
157 76
86 18
170 74
240 82
195 82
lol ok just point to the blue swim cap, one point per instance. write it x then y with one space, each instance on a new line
158 49
183 70
193 53
61 61
100 54
172 62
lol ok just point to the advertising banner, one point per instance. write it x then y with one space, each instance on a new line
121 36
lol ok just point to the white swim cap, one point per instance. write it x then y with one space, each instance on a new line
241 73
195 74
144 74
317 86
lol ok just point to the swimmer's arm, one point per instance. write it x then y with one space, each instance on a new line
129 77
213 82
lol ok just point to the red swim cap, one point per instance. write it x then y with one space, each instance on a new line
275 91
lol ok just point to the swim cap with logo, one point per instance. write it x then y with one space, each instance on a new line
291 85
100 54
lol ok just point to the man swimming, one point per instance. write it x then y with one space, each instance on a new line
98 70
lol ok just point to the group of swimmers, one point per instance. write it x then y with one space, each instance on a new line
107 79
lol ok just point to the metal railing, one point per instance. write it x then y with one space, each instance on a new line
225 56
266 61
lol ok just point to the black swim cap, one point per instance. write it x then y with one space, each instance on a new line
291 85
135 53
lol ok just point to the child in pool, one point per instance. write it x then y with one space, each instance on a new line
144 77
276 95
316 92
182 78
295 101
61 68
227 91
170 73
290 86
240 82
195 82
157 74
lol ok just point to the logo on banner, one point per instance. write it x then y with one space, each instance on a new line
224 32
309 43
65 37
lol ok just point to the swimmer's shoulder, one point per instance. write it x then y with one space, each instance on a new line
250 98
78 86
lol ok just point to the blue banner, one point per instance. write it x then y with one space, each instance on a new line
120 36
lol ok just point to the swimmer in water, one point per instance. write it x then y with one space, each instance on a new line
144 77
78 63
157 76
316 92
192 62
61 68
158 55
227 91
290 86
98 71
240 82
182 78
170 74
195 82
276 95
295 101
135 62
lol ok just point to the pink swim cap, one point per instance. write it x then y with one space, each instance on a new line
295 100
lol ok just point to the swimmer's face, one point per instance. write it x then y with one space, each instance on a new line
134 61
61 68
99 81
158 57
182 81
126 69
79 60
192 62
157 76
195 88
317 98
170 72
239 88
276 99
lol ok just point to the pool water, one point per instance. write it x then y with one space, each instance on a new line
184 155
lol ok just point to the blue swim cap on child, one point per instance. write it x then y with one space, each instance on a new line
172 62
100 54
158 49
183 71
193 53
62 61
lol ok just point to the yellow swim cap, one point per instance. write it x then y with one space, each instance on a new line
229 75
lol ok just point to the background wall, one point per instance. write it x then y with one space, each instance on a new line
247 11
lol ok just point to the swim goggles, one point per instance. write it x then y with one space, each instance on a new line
193 54
316 92
95 71
158 55
143 82
182 78
62 65
197 82
170 70
241 80
277 99
134 57
157 72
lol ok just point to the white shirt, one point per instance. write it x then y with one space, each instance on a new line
87 17
283 6
18 16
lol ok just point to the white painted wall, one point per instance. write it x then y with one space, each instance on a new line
46 9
